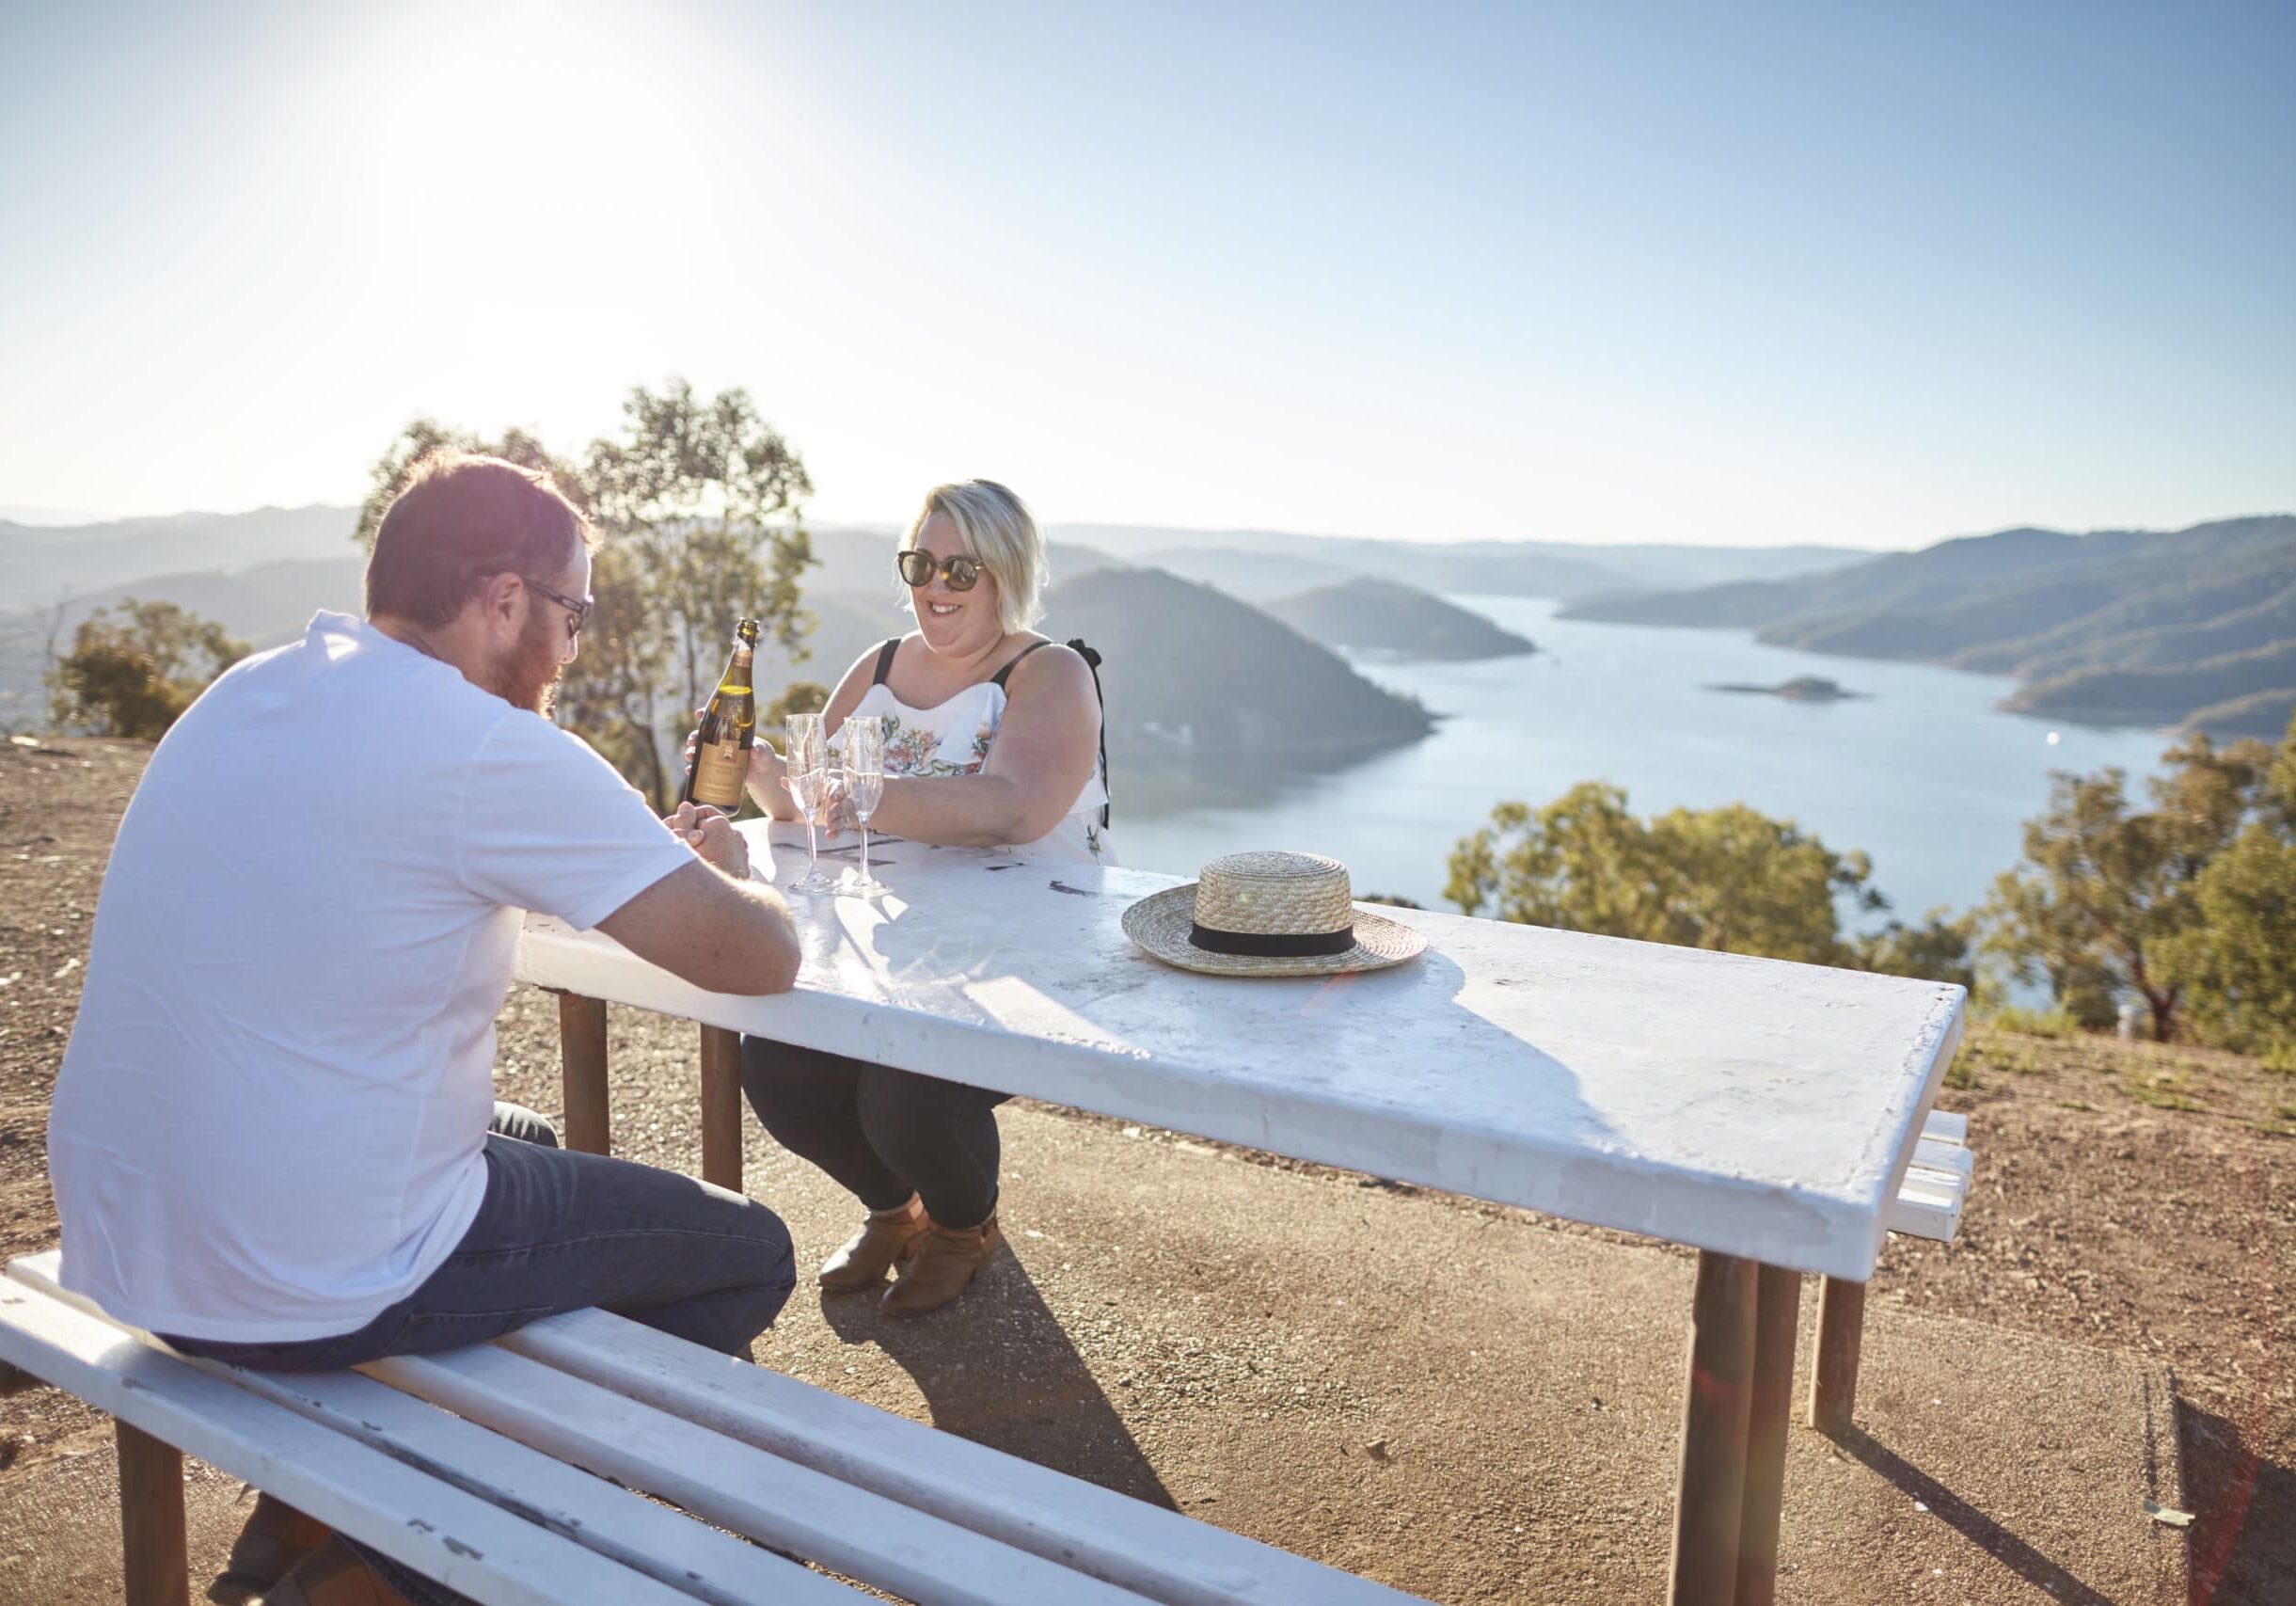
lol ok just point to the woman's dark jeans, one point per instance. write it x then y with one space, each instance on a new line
559 1231
883 1134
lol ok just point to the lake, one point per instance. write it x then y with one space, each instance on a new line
1924 774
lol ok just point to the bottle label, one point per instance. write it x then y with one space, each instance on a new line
719 767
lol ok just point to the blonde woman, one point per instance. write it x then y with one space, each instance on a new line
992 739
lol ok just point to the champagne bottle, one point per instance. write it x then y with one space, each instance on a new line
729 725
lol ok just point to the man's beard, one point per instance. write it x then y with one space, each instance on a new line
527 676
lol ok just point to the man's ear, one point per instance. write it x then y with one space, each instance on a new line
499 602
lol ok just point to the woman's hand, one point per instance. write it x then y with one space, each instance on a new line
768 775
765 775
831 811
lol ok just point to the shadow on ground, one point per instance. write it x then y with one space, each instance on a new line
997 1368
1968 1520
2244 1514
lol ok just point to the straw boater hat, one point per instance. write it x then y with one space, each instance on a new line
1268 913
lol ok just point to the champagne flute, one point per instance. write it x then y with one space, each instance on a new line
809 782
864 786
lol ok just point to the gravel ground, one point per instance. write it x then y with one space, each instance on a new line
2129 1198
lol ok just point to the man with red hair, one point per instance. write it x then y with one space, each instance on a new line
274 1139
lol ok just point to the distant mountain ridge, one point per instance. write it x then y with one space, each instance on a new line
1256 565
2118 627
39 561
42 561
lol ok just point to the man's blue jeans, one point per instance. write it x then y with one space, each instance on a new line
559 1231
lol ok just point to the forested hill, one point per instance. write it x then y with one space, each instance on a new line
1389 619
2191 626
1189 667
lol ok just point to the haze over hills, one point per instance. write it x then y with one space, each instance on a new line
42 561
2119 626
1256 565
2189 626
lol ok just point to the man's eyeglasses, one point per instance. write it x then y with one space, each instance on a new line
576 612
917 568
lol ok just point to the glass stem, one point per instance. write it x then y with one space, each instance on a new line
813 847
865 853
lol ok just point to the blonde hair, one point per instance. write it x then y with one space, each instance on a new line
999 530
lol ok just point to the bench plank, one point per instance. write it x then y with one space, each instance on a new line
848 1529
1161 1554
440 1531
1929 1205
1929 1155
694 1558
1946 1127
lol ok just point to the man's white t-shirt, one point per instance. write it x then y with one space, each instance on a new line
270 1122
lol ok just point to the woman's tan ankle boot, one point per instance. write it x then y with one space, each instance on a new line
333 1576
942 1262
275 1538
869 1253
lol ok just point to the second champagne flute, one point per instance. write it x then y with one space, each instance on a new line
864 786
809 783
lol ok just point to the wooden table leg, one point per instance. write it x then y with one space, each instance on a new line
581 1042
1709 1496
722 1108
1833 1380
151 1521
1777 1315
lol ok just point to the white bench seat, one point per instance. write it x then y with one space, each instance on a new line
474 1467
1937 1182
463 1541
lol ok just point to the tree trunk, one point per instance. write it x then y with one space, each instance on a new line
2163 1014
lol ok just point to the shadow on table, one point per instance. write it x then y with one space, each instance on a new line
2244 1509
998 1368
1970 1522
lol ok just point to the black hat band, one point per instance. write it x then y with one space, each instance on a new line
1272 944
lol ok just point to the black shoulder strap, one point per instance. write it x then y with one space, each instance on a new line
884 662
1093 659
997 679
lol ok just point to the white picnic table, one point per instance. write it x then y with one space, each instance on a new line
1762 1112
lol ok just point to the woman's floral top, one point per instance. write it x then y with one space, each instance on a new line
952 738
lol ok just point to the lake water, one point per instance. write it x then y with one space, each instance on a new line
1924 774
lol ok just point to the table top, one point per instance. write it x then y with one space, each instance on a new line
1746 1106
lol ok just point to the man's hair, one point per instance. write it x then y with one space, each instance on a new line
458 520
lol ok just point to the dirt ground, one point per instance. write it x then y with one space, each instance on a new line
2129 1198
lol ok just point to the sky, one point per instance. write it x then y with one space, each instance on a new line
1748 274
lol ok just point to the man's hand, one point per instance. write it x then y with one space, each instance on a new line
711 835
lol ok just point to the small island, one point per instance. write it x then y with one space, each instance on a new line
1381 618
1802 688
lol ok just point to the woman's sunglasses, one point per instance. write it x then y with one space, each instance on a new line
917 568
